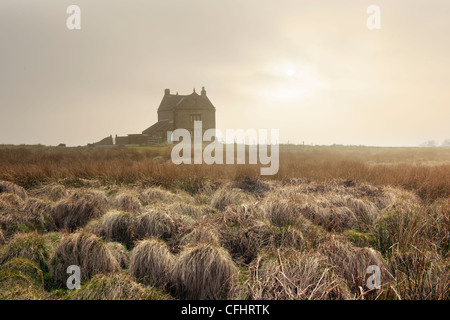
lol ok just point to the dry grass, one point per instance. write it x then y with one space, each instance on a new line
293 276
127 202
151 262
224 197
120 252
31 246
9 187
203 272
76 210
21 279
117 226
118 286
85 250
424 170
154 223
206 232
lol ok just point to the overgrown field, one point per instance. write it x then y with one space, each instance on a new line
140 227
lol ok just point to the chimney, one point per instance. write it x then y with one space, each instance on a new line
167 92
203 92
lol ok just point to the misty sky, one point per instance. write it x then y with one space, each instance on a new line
309 68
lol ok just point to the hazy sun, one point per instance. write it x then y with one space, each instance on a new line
290 72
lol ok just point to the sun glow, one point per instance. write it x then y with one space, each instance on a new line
290 82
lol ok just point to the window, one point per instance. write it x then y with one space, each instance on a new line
195 117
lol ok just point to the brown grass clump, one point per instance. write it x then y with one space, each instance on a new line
120 252
293 276
21 279
151 262
31 246
201 233
37 214
282 213
186 209
12 199
117 286
224 197
152 195
154 223
2 237
242 232
351 262
52 192
77 209
9 187
255 186
330 217
420 275
203 272
85 250
95 226
117 226
127 202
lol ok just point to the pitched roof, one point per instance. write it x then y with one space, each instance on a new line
159 126
171 101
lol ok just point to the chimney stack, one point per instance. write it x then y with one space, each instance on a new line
166 92
203 92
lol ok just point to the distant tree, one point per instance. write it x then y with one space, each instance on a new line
428 144
446 143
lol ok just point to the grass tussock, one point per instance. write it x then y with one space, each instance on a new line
151 262
308 232
282 213
203 272
351 263
85 250
76 210
120 252
202 233
10 187
117 286
31 246
154 223
127 202
21 279
117 226
292 276
224 197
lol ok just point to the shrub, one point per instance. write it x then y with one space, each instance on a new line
151 262
203 272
